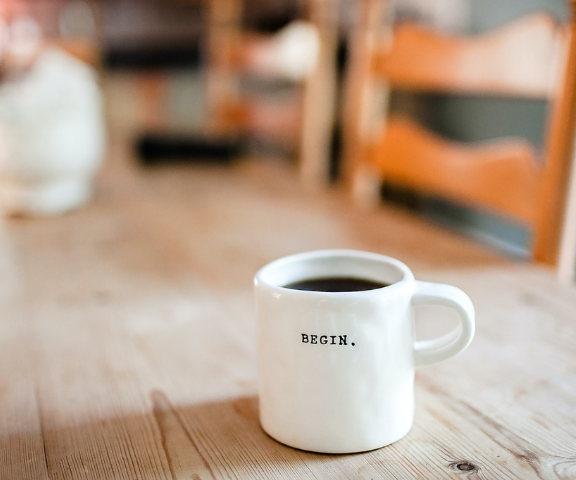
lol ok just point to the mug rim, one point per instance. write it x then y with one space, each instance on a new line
260 276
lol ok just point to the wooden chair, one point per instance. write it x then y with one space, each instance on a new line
567 255
306 120
532 57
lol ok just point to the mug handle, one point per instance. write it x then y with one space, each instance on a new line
428 352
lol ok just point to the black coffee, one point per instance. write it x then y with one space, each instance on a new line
336 284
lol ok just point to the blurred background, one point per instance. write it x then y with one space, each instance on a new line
177 85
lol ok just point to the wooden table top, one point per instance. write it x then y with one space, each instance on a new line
127 338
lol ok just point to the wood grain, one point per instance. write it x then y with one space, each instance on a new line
128 337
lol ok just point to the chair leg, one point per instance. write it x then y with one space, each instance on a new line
366 187
567 257
153 92
319 102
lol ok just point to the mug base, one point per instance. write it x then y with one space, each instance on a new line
335 450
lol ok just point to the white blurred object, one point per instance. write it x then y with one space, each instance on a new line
52 135
293 51
3 38
23 41
297 48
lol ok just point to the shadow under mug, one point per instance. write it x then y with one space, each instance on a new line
336 369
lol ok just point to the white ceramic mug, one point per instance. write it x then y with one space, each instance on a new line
336 370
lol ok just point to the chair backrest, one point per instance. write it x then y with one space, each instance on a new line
518 59
308 120
531 57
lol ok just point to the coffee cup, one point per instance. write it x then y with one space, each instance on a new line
337 350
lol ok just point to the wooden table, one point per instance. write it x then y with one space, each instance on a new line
127 338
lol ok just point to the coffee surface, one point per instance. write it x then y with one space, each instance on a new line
336 284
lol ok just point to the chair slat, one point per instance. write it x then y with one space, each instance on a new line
520 59
501 175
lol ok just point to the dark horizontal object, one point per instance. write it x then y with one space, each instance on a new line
270 15
157 148
147 57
